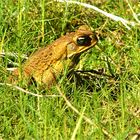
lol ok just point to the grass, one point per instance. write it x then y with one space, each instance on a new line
113 104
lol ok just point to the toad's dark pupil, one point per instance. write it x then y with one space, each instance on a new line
84 40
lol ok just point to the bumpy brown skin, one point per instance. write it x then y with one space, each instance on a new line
47 63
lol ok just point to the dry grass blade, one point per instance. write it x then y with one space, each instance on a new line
73 108
111 16
83 116
24 56
28 92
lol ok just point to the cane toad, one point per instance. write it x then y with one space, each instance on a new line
47 63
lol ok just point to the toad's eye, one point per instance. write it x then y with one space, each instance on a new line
84 40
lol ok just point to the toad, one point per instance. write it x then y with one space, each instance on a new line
46 64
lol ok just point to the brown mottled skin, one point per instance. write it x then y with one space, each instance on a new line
47 63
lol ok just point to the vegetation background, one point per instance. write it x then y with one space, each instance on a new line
112 103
